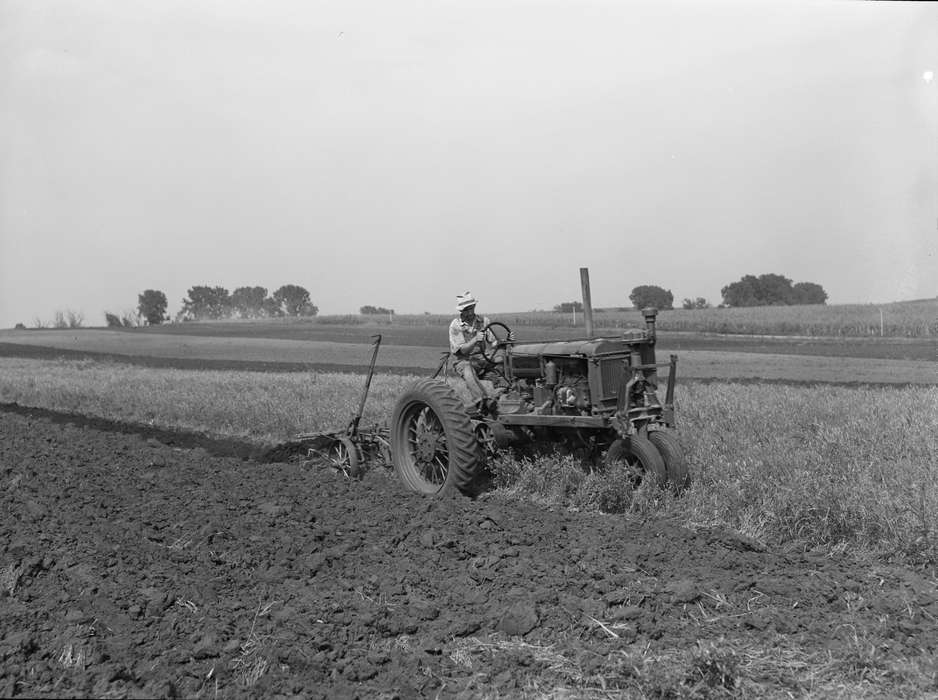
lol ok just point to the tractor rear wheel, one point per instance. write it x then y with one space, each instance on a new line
642 458
673 456
433 446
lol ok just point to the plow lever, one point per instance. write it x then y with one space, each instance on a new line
352 430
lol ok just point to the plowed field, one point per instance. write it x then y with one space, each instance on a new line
133 568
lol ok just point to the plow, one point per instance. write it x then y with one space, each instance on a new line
351 449
595 396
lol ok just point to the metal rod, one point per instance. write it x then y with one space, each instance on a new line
587 303
356 419
669 396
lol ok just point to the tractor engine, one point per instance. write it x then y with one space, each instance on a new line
572 396
588 378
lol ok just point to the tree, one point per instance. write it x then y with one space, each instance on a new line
294 300
248 302
75 318
698 303
776 289
809 293
568 307
368 309
771 290
310 309
272 308
745 292
152 306
207 302
651 295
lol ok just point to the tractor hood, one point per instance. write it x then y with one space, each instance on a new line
587 347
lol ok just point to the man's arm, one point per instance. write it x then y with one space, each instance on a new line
456 344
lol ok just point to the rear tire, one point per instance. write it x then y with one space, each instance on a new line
433 446
674 463
642 458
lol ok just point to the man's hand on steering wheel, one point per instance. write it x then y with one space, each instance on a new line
505 336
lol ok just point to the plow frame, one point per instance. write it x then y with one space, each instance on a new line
350 449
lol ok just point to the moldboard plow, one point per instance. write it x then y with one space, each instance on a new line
346 450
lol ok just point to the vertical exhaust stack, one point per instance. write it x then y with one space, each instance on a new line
587 303
650 314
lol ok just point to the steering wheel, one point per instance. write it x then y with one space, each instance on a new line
499 341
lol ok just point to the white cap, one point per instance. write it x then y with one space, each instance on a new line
464 301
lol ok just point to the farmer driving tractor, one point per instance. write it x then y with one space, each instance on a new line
475 350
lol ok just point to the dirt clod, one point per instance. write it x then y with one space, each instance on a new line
518 620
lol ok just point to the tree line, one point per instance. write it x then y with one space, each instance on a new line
750 290
203 302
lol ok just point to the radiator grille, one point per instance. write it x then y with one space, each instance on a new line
611 372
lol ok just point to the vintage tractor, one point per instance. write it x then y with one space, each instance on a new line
596 395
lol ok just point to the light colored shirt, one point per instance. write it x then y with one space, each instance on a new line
461 332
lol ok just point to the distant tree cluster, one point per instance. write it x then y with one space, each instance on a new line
651 295
128 319
205 302
61 319
568 307
772 290
698 303
368 309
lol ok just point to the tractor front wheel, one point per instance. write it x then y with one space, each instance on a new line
433 446
641 457
673 456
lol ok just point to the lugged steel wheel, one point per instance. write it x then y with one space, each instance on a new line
674 464
641 457
486 440
433 446
343 455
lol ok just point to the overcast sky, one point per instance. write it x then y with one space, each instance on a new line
399 153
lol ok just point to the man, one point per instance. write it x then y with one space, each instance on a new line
466 342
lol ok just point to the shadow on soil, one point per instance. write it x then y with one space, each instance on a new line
220 447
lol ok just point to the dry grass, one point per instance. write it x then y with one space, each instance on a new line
711 668
253 660
265 407
834 467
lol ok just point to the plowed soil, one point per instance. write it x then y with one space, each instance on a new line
132 568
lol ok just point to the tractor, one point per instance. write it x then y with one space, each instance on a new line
596 395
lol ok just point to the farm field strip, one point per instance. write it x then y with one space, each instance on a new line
227 348
262 406
703 364
819 464
426 334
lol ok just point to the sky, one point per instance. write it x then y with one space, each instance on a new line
400 153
